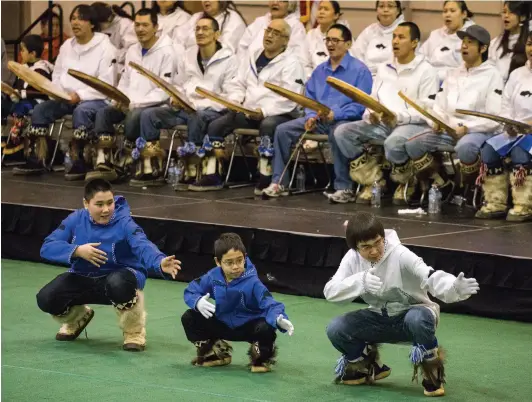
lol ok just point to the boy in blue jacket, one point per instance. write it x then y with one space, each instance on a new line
245 310
109 257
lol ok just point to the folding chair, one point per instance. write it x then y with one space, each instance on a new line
239 134
181 131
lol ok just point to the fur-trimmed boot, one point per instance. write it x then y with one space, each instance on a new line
265 168
261 357
429 169
35 152
150 164
468 176
124 162
403 174
16 142
104 165
192 162
212 166
521 181
212 353
132 321
81 152
494 182
74 321
431 362
365 170
365 370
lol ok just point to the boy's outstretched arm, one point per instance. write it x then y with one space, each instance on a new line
273 310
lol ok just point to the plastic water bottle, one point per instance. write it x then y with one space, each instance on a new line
300 178
434 200
67 162
172 173
376 195
179 171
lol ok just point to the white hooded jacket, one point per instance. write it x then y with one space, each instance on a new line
374 44
219 71
443 50
159 60
285 70
406 279
122 34
97 58
169 24
479 89
517 95
418 80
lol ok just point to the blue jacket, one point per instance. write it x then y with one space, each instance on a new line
350 70
239 301
122 239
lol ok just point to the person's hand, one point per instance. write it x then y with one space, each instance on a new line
327 118
512 131
310 124
389 120
372 283
461 131
205 307
74 98
15 97
171 266
465 286
283 323
90 253
174 103
374 118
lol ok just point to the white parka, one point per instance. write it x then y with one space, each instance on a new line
169 24
285 70
517 95
221 68
97 58
405 281
418 80
159 60
479 89
122 34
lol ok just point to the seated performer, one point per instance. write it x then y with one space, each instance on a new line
516 105
409 73
394 282
156 55
476 85
210 65
27 97
272 63
170 17
245 310
92 53
340 65
110 259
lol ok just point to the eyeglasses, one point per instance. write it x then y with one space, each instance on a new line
334 41
237 262
273 32
368 247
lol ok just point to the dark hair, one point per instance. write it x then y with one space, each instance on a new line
46 17
397 4
521 9
463 7
363 226
214 23
224 6
95 186
346 33
227 242
104 11
415 33
86 13
34 43
151 12
157 9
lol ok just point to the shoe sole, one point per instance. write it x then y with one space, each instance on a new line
68 338
364 380
204 189
334 201
260 369
133 347
439 392
216 363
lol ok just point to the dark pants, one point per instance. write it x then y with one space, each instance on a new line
69 289
107 117
223 126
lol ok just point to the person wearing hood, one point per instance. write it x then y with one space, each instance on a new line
395 283
374 44
26 97
110 258
244 310
476 85
210 65
89 52
443 48
253 38
155 54
410 73
515 143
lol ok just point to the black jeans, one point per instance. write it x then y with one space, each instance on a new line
69 289
224 125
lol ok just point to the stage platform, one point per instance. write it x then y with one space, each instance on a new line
296 242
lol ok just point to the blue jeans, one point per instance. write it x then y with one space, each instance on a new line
349 333
83 114
106 119
288 133
492 158
154 119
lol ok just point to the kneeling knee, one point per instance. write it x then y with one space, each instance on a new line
121 286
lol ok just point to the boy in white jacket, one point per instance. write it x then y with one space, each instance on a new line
155 54
92 53
394 282
408 73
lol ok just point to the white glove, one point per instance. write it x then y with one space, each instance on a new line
372 283
285 324
465 286
205 307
